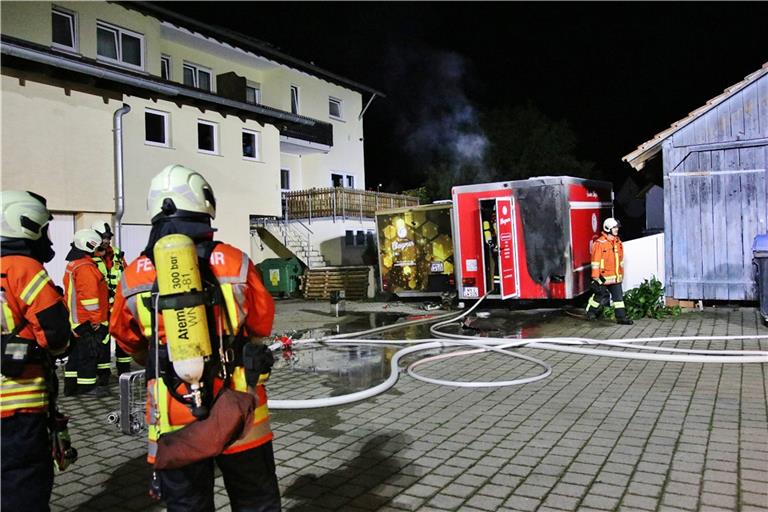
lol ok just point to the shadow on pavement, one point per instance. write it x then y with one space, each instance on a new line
126 489
351 484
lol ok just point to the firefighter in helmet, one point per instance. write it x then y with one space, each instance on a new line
111 264
87 369
607 273
181 202
34 326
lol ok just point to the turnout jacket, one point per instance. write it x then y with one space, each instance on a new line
111 265
28 295
608 259
87 294
250 309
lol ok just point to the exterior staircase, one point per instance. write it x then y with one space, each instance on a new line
295 236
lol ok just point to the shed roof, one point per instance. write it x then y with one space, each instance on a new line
651 148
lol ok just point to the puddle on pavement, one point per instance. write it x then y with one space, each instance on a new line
347 369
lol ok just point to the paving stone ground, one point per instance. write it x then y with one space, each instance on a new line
598 434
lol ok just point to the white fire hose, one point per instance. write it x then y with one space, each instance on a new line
478 344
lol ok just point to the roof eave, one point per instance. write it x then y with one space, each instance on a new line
151 9
651 148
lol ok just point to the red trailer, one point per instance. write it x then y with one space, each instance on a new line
527 239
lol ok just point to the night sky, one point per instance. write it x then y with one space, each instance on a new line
618 73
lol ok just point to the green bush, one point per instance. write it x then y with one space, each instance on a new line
646 301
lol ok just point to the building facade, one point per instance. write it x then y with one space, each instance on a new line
98 97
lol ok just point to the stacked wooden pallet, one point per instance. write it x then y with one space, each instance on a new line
318 283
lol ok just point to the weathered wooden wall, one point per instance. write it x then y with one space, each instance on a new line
716 198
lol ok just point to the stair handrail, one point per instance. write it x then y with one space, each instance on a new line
290 231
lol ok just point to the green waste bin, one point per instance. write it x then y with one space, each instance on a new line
281 275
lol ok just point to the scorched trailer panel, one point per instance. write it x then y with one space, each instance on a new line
527 239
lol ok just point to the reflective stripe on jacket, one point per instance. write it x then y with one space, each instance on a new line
608 259
250 309
111 266
86 292
27 291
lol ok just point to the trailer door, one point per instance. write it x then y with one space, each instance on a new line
507 240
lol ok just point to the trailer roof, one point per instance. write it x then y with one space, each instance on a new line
535 181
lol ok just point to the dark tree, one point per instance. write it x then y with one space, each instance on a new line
524 142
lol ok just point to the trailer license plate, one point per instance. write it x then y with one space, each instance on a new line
471 292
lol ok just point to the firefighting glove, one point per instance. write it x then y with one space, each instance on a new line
257 360
83 329
101 333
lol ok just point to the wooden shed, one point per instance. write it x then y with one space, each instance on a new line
715 195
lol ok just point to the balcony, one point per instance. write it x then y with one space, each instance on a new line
340 203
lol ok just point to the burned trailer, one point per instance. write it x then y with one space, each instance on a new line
528 239
416 250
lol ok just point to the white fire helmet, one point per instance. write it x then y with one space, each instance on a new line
610 223
102 228
87 240
24 215
178 190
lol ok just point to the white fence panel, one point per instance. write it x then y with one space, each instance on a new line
643 259
61 231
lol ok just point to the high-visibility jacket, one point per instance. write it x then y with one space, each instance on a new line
608 259
111 265
251 311
489 233
86 291
28 293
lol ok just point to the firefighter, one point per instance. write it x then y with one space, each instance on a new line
491 242
34 321
88 300
182 202
607 273
111 265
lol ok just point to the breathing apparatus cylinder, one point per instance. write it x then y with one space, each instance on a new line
183 307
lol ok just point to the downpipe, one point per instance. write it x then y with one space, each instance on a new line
117 134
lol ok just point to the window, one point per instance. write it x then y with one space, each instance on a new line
155 127
253 94
285 179
207 137
63 31
165 67
251 145
349 238
334 108
294 99
342 180
197 76
119 45
360 238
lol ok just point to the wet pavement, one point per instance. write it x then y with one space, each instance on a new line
598 434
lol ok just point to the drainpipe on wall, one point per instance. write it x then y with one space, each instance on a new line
117 130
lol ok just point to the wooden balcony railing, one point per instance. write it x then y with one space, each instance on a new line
345 203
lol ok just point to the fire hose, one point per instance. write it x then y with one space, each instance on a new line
481 344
